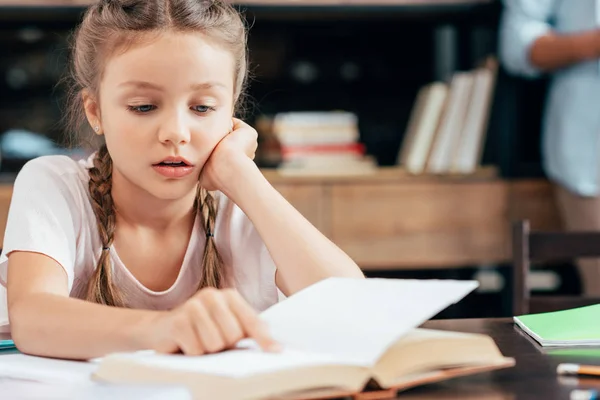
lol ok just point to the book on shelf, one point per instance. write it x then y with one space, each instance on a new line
422 126
448 123
321 143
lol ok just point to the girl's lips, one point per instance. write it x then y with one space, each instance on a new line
174 160
171 171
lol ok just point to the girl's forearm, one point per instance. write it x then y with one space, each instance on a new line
56 326
302 254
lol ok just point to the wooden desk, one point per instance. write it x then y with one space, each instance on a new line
533 377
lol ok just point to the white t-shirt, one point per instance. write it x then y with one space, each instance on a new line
51 213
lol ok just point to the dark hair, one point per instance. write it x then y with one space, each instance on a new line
114 25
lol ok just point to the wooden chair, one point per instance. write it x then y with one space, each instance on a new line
534 246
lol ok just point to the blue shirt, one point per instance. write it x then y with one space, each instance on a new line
571 124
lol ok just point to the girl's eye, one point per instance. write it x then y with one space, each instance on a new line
142 109
203 109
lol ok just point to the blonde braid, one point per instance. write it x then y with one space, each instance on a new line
212 274
101 288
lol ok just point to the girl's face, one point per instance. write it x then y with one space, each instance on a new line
167 101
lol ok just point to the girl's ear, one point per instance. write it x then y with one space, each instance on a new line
92 111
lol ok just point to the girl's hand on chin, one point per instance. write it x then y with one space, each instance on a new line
230 154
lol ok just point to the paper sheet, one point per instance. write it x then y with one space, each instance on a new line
356 320
235 363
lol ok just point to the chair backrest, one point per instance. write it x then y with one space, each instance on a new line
528 247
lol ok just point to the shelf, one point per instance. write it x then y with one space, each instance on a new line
21 10
271 3
382 175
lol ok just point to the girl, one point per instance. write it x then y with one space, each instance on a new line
168 237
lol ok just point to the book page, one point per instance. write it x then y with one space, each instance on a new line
356 320
237 363
335 322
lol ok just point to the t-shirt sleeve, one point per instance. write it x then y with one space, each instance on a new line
41 217
521 24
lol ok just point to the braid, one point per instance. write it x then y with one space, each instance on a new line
101 288
212 265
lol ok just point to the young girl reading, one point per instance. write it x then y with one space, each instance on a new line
168 237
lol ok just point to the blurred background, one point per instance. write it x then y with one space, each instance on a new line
391 125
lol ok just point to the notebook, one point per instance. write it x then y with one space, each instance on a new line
572 327
6 342
341 337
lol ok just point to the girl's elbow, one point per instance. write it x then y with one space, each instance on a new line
22 328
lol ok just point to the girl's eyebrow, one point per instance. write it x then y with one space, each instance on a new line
194 87
142 85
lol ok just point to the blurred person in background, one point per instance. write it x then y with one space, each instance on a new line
561 39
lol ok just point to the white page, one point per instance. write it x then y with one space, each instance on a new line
356 320
336 321
41 369
234 363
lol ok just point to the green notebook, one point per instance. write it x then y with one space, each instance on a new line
573 327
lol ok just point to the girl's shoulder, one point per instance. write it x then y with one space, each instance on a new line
54 171
55 167
54 179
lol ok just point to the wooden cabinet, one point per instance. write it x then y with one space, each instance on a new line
310 200
396 221
391 225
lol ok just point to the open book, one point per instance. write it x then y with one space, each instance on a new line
341 337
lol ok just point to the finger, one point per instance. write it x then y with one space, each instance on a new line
251 323
205 326
237 124
186 338
227 323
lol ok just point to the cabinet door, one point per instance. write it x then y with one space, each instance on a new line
534 200
421 224
309 200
